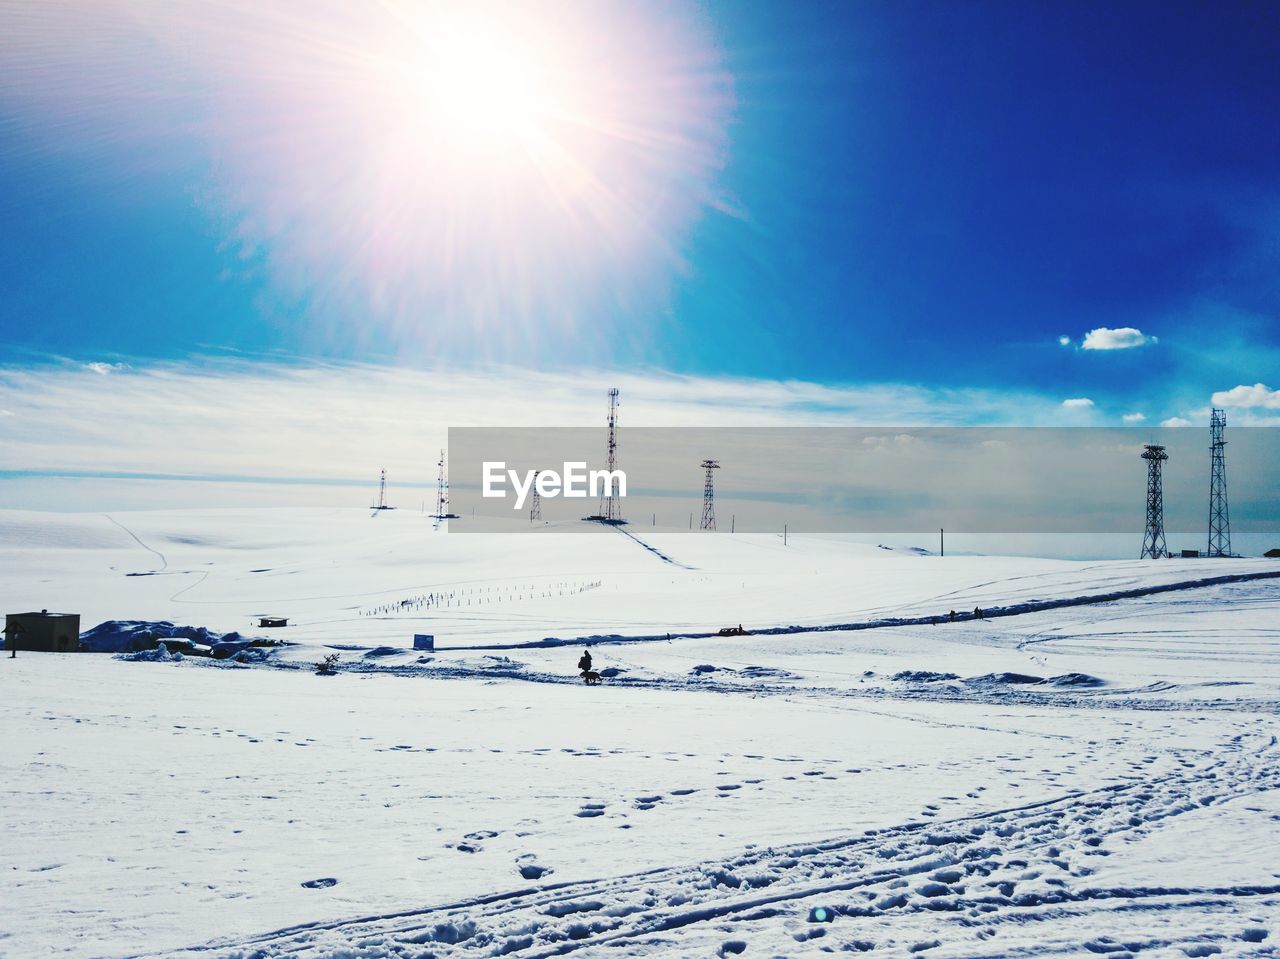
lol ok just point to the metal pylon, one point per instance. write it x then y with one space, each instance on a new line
1153 543
1219 518
709 495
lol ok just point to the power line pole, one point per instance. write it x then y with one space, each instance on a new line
709 495
1153 543
382 490
1219 518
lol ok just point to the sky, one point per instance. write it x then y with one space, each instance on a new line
988 212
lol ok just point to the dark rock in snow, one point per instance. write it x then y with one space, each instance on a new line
1075 680
923 676
1013 679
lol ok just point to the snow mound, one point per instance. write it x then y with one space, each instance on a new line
379 651
160 654
766 672
131 635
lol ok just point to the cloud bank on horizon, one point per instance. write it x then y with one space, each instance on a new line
89 435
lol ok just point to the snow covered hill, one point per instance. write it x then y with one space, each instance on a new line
1087 779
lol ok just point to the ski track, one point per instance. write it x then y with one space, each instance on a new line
962 880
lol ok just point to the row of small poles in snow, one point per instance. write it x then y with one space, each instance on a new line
479 595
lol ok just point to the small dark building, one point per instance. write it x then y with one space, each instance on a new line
43 632
1272 554
1191 554
268 622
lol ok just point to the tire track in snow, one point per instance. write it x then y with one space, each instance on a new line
164 562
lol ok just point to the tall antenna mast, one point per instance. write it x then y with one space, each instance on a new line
382 490
1153 544
535 504
709 495
1219 518
610 509
442 490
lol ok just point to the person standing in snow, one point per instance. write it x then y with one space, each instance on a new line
584 664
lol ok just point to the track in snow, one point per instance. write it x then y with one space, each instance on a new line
993 612
972 881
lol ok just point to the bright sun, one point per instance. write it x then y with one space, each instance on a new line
514 164
480 88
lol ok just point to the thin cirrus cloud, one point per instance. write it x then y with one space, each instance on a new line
1134 417
221 421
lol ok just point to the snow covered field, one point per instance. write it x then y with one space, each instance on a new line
1096 778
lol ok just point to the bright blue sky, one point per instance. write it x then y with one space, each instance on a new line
928 193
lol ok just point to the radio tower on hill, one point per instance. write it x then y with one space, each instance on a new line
442 492
535 504
610 509
382 492
709 495
1219 519
1153 544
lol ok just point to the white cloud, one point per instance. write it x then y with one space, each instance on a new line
1134 417
1122 338
1078 403
1246 397
1175 421
102 369
231 417
1064 341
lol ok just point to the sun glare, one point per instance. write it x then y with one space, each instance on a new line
483 87
499 165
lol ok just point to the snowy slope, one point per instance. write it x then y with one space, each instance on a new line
480 801
337 574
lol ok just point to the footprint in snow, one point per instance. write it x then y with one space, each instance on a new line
320 883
